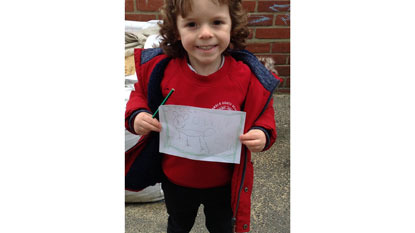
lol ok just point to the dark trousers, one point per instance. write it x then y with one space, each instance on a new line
183 203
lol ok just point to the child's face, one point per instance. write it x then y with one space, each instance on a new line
205 32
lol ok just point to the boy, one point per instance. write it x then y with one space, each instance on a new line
199 37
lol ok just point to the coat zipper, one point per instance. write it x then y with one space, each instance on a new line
244 169
240 190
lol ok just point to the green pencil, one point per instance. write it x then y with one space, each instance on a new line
165 99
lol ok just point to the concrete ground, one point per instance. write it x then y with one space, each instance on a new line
271 193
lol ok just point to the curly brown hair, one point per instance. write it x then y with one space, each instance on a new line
173 8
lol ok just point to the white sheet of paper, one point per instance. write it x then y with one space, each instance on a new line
201 133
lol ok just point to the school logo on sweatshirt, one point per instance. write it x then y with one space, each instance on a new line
225 105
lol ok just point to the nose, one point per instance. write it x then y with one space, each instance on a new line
205 32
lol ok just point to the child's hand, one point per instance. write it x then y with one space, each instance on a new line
254 139
144 123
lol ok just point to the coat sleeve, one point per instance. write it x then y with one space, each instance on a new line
266 118
267 122
138 97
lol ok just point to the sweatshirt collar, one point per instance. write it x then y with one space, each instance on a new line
193 69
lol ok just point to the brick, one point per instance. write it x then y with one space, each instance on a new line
129 5
140 17
273 6
282 19
283 70
282 82
280 59
149 5
281 47
287 83
260 20
249 6
258 47
282 90
272 33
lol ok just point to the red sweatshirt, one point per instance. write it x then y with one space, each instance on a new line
224 89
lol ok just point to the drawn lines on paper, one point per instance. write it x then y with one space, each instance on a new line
199 129
202 134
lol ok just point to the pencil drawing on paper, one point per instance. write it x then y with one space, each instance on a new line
202 134
199 129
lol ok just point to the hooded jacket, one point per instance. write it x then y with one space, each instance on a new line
150 65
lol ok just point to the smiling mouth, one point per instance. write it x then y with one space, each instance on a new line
207 47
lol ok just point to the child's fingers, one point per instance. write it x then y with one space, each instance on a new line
252 135
144 123
149 123
254 145
254 140
152 124
251 143
246 137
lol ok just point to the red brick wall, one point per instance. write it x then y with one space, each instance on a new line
269 22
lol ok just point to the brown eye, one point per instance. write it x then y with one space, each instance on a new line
191 24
